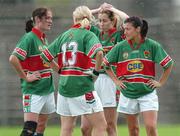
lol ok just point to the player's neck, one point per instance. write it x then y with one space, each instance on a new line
137 40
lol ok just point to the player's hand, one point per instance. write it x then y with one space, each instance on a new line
33 76
153 84
106 51
106 6
120 84
92 73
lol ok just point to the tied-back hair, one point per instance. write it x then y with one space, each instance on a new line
83 16
39 12
137 22
29 25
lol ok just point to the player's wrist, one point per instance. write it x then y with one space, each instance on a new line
96 73
59 71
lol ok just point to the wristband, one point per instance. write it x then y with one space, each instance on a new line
59 71
96 73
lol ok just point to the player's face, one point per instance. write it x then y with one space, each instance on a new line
130 31
104 22
46 22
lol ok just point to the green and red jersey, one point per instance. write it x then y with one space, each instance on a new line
108 40
74 48
136 64
28 51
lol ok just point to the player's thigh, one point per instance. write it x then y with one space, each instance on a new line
49 105
149 102
43 118
96 119
32 105
150 118
85 104
132 120
127 105
106 90
111 115
68 122
85 123
29 116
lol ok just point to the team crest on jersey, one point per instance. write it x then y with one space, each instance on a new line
135 66
146 54
125 55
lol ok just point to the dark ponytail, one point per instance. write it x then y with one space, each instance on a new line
144 28
29 25
137 22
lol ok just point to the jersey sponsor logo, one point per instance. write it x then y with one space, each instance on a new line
135 66
125 55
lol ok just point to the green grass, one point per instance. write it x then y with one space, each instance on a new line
163 130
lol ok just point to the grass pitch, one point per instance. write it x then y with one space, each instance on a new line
163 130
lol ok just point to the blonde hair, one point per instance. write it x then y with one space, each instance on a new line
82 15
119 22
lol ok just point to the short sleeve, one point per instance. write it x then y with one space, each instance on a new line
51 51
161 57
111 56
22 47
93 44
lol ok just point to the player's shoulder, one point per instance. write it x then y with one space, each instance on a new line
152 42
122 43
26 37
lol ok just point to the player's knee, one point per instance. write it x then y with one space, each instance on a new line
86 130
111 127
29 128
134 130
41 127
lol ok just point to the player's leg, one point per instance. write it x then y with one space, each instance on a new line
98 123
30 115
67 125
149 106
48 102
42 123
150 121
86 127
130 108
106 90
111 119
133 124
30 124
65 108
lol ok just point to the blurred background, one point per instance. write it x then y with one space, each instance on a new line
164 25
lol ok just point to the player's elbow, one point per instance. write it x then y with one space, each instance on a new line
12 59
